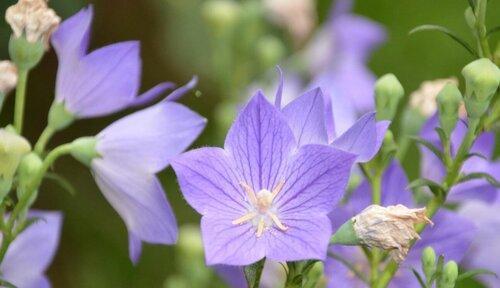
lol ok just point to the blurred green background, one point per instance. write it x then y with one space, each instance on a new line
93 251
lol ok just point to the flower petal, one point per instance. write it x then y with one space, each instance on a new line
140 201
103 82
315 180
226 243
31 253
364 138
147 140
306 117
210 182
260 141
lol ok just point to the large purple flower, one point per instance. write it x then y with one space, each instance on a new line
485 251
457 231
31 253
101 82
130 152
261 196
432 168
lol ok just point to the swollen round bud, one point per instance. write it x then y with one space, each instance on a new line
32 20
449 101
59 116
221 14
30 166
388 94
449 276
270 51
12 148
84 150
428 262
482 78
8 76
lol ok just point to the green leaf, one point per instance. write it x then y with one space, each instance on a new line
441 134
253 273
475 154
493 30
479 175
474 273
439 269
62 182
6 284
435 188
419 278
449 33
435 150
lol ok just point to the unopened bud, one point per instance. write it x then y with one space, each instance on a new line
59 116
449 101
221 14
29 168
482 78
270 51
12 148
424 99
84 150
390 228
470 18
428 262
388 94
449 275
32 19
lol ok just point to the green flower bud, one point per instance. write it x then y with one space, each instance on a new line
25 54
84 150
270 51
346 235
428 262
221 14
449 276
470 18
388 94
190 243
29 168
12 148
449 100
59 116
482 78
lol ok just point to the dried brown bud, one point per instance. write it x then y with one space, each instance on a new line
390 228
424 99
34 19
8 76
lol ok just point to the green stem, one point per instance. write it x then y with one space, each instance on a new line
349 266
20 100
481 31
40 145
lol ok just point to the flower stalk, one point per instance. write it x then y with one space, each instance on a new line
20 100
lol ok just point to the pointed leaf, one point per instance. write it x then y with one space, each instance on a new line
441 134
439 269
419 278
448 32
479 175
253 273
493 30
62 182
475 154
474 273
6 284
435 188
435 150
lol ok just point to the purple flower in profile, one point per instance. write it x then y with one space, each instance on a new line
101 82
31 253
432 168
485 251
457 231
127 155
262 195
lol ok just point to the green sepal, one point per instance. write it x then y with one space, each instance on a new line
84 150
25 54
346 235
480 175
59 116
253 273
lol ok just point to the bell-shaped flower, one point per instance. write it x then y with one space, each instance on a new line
31 253
262 195
124 159
101 82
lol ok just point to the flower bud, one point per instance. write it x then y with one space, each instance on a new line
424 99
449 276
482 78
59 116
8 79
30 166
84 150
428 262
12 148
190 243
270 51
390 228
449 101
221 14
470 18
388 94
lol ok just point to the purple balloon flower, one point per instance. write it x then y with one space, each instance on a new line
433 169
457 231
131 151
261 195
31 253
101 82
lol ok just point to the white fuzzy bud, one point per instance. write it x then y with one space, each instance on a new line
424 99
8 76
390 228
33 19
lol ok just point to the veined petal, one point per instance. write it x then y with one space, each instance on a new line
364 138
306 117
210 182
140 201
230 244
260 142
147 140
32 251
103 82
316 178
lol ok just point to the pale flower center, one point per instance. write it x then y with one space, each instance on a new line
261 214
